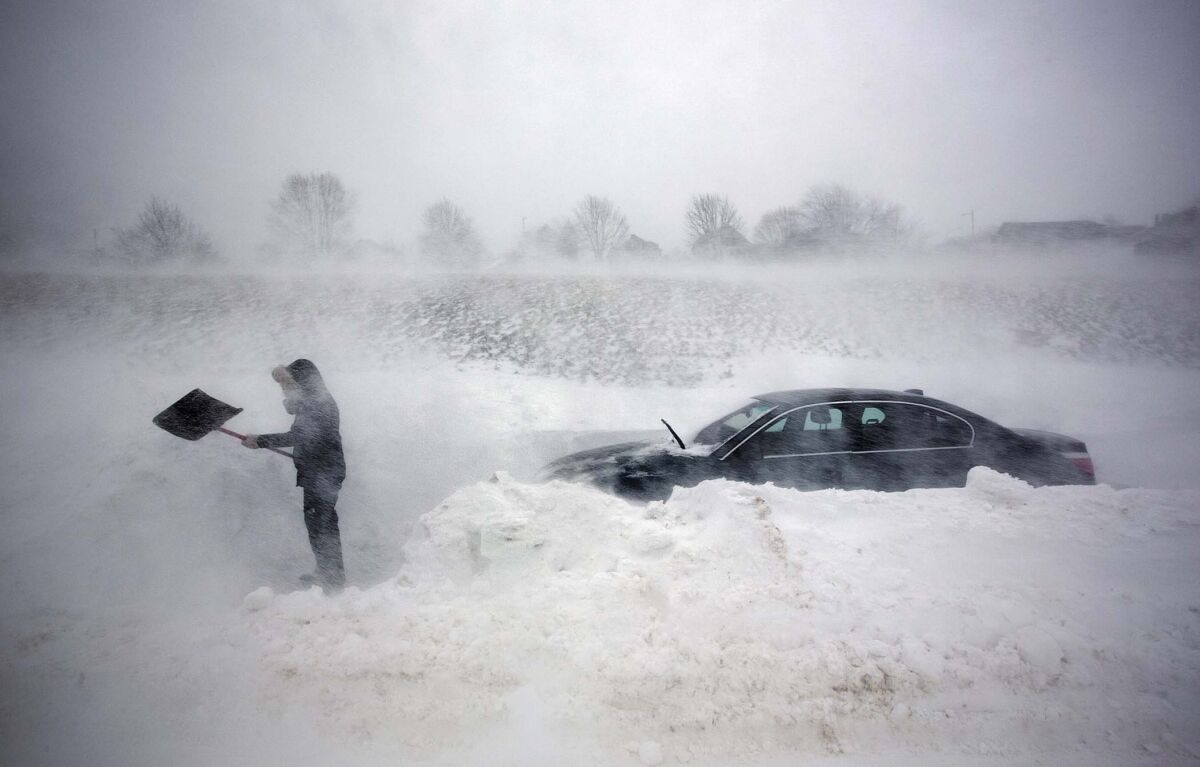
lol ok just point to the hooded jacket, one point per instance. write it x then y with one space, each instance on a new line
315 436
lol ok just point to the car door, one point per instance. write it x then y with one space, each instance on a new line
902 445
803 448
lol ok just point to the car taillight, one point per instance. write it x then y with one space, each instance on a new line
1083 462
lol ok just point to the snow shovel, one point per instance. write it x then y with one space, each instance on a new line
197 414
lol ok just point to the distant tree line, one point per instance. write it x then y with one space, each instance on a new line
827 217
312 220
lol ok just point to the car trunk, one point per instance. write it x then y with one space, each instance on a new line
1070 448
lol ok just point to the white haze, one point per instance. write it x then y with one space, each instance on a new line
1019 110
146 613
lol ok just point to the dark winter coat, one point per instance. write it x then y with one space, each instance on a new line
315 436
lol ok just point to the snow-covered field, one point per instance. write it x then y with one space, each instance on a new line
146 607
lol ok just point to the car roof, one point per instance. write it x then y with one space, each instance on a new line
794 397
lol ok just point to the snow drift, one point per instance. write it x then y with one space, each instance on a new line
734 620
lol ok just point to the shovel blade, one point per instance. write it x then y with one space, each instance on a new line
194 415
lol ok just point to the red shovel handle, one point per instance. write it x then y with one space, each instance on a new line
223 430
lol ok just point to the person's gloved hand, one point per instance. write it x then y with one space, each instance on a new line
250 441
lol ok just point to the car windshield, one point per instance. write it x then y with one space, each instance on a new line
726 426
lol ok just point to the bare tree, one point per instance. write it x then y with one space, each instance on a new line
163 233
833 212
779 228
600 225
712 218
449 236
312 215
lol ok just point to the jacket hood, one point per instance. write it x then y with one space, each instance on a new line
308 378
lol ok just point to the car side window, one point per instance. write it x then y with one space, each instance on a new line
817 429
725 427
909 426
822 419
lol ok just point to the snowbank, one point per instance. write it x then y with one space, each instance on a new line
553 625
735 620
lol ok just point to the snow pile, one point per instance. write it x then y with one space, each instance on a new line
667 617
734 619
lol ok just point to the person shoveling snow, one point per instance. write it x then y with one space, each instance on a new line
320 465
317 453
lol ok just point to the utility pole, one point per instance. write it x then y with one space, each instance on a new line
972 215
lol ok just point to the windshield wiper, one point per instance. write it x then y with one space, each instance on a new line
673 434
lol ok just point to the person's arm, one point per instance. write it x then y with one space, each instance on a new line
283 439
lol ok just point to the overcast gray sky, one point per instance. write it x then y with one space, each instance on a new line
516 109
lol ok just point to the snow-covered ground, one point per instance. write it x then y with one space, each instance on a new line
146 606
733 621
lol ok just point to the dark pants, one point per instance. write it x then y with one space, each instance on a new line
320 517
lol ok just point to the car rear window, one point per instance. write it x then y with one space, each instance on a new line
907 426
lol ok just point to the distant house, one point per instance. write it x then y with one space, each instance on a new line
1187 218
1173 233
794 243
1059 232
637 247
1126 234
1048 232
806 239
721 242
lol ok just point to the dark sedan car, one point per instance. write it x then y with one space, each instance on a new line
835 438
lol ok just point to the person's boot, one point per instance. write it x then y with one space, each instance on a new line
331 573
330 589
308 580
